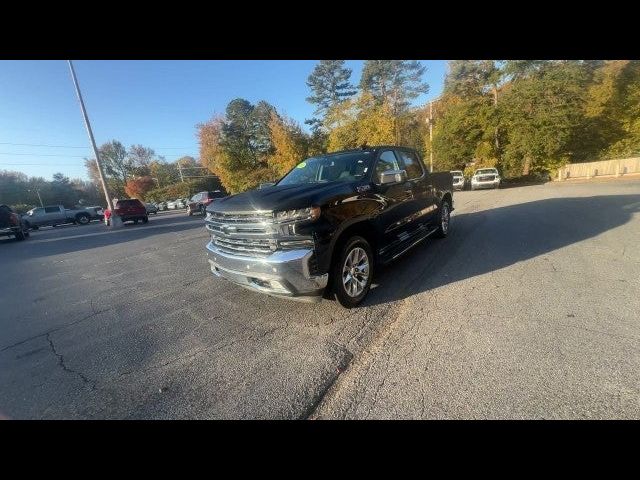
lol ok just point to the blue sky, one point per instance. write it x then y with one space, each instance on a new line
153 103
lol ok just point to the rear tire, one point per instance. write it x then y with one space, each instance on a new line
444 219
145 219
356 257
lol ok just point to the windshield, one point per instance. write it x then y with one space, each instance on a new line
487 171
344 167
456 173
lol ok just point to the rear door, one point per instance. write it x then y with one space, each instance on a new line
54 214
424 192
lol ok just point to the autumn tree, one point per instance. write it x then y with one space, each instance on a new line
361 121
393 84
290 144
139 186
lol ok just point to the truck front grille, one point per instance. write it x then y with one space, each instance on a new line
252 247
246 234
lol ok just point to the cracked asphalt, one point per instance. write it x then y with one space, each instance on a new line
529 309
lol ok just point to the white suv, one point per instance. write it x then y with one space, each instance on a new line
485 178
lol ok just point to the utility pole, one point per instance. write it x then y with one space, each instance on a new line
180 171
93 142
431 136
39 197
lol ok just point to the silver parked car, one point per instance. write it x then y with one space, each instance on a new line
458 179
485 178
175 204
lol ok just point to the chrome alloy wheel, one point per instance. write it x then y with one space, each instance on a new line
355 272
445 217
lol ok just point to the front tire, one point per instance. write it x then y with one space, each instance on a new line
20 235
145 219
353 273
83 219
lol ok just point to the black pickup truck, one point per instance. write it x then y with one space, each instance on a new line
328 223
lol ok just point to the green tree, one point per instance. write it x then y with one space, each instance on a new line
237 147
543 116
395 82
140 158
472 78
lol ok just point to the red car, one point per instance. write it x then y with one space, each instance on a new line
130 209
200 201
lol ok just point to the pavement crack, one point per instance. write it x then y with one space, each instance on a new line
93 313
310 411
64 367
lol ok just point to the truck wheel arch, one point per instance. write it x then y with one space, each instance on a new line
362 228
448 197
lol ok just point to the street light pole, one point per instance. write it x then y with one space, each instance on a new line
90 132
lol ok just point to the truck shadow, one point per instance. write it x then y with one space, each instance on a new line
489 240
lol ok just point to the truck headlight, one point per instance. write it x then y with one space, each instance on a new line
298 214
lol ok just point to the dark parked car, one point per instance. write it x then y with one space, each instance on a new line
200 201
328 223
12 224
96 213
131 210
152 208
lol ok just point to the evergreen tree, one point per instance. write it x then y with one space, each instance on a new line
330 84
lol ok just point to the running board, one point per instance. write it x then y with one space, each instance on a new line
410 246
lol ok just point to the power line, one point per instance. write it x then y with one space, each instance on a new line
43 164
75 146
66 156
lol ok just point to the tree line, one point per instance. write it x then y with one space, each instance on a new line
23 192
526 117
529 117
136 172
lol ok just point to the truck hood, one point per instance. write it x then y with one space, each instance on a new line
286 197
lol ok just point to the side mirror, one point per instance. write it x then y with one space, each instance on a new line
265 185
393 176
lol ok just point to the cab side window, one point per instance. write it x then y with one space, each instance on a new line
387 161
51 209
411 164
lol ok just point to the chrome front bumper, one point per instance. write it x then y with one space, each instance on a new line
282 274
489 184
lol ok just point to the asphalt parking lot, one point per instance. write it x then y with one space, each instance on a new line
528 310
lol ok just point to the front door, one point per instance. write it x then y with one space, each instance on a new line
401 205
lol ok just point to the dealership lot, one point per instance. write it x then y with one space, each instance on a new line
528 310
